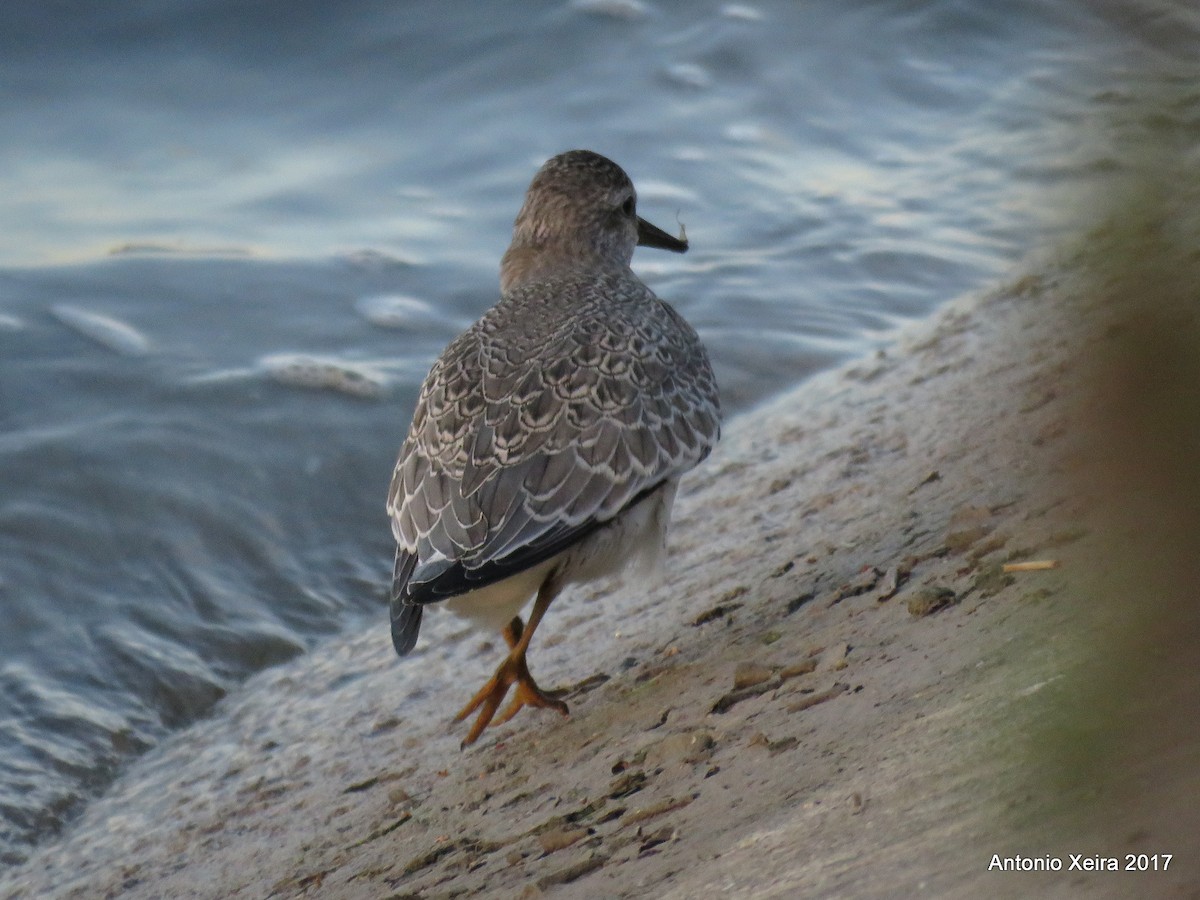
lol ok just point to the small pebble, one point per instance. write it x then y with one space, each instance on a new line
810 700
958 541
659 836
782 745
572 872
925 601
888 584
803 667
834 659
657 809
991 580
396 796
685 748
748 674
560 838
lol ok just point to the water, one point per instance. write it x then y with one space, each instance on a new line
237 234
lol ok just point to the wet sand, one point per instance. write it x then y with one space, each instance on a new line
835 690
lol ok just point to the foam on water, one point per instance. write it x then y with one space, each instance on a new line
324 373
399 311
108 332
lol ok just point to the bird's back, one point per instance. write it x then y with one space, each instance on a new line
566 402
577 396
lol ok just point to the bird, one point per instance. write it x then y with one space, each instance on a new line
549 438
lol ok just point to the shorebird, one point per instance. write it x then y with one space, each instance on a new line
549 437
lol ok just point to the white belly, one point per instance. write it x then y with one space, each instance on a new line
635 538
494 606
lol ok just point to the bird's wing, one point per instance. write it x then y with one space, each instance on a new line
517 451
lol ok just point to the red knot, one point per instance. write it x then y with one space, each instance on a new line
549 437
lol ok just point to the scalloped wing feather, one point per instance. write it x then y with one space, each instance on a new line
562 406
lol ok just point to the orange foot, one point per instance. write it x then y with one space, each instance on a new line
513 671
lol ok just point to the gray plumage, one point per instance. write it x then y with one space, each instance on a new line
574 400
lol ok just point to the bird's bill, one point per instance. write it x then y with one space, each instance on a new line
653 236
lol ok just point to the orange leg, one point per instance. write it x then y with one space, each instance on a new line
513 671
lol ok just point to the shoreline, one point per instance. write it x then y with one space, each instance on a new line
835 687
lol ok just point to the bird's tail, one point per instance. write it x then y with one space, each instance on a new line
406 615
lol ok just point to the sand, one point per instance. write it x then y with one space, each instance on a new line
834 690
